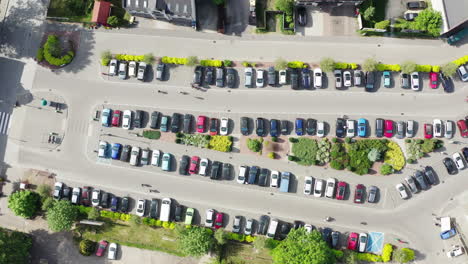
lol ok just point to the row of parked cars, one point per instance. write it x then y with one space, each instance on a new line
421 180
125 69
221 77
457 162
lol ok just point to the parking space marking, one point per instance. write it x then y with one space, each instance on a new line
375 242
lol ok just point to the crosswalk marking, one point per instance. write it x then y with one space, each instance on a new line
4 122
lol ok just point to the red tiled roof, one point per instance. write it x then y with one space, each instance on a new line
101 12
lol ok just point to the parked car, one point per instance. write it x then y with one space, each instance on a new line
112 254
141 71
283 77
189 213
166 162
197 75
165 214
463 128
430 175
400 129
248 227
294 79
285 228
341 190
433 80
193 168
347 79
306 78
448 234
96 197
203 168
359 194
144 159
154 208
353 241
187 123
175 124
106 117
438 128
318 78
449 129
123 70
58 189
134 156
410 128
457 158
285 179
113 64
236 225
302 16
350 129
140 208
311 126
263 225
420 179
274 127
362 127
410 16
66 194
379 127
260 127
463 73
388 132
370 81
179 210
274 178
164 126
154 119
416 5
340 127
450 166
271 76
224 128
357 78
318 188
320 129
184 164
402 191
102 245
338 78
411 184
330 188
387 79
415 81
138 119
248 73
75 198
242 176
102 151
226 172
214 124
116 118
299 126
260 82
209 76
219 220
160 71
372 196
284 127
447 83
308 182
245 126
124 205
115 151
455 252
428 131
253 172
335 235
201 123
209 214
215 168
85 196
231 78
362 242
404 79
155 157
105 200
465 153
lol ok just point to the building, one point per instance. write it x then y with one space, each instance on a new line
454 15
101 12
178 12
328 3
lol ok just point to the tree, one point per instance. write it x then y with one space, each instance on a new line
113 21
302 247
87 247
44 190
449 69
408 67
403 255
192 61
148 58
196 241
369 65
428 20
24 203
369 13
15 247
350 257
106 56
327 64
47 203
254 145
386 169
374 155
218 2
382 24
61 216
285 6
93 214
220 236
281 64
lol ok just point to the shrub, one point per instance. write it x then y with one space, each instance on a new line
347 140
296 64
281 64
24 203
424 68
207 137
127 57
227 63
374 155
461 61
93 213
270 243
235 236
113 21
394 156
449 69
47 203
428 145
327 64
369 65
151 134
87 247
291 158
220 143
334 140
411 161
336 165
179 134
148 58
436 68
158 223
388 67
274 139
403 255
249 239
246 64
387 252
382 24
44 190
254 145
369 257
407 140
271 155
166 224
192 61
369 13
293 140
386 169
338 254
178 141
174 60
106 56
211 63
52 50
408 67
285 5
40 54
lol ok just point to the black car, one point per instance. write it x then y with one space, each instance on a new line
179 211
253 171
340 127
430 175
154 207
284 230
465 153
311 126
263 178
197 75
274 127
160 69
284 127
379 127
450 166
294 79
260 127
271 76
446 83
298 224
327 236
66 195
124 204
405 81
419 176
215 168
209 73
416 5
369 81
305 78
214 126
187 123
335 237
263 225
125 154
226 173
154 119
183 164
231 78
114 206
105 200
175 124
301 16
138 119
245 126
372 196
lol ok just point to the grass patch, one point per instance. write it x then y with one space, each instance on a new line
75 10
379 5
305 150
246 253
151 134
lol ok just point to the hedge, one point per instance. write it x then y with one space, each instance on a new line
235 236
174 60
126 57
40 54
424 68
115 215
345 66
388 67
461 61
394 156
211 63
387 252
151 134
436 68
369 257
220 143
53 40
227 63
296 64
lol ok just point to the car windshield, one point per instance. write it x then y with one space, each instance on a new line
363 239
105 113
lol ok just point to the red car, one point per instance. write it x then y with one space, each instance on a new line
341 190
463 128
433 79
388 131
201 122
359 193
101 248
353 241
194 165
428 132
218 220
85 195
116 118
214 123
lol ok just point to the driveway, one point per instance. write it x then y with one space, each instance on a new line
314 26
207 15
237 16
340 21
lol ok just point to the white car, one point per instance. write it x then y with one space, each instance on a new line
248 227
308 185
350 128
123 70
330 188
415 81
95 197
358 78
141 205
112 251
134 155
338 78
438 128
144 159
248 72
223 129
127 119
308 228
242 174
410 128
209 218
76 192
458 161
260 82
141 71
318 189
102 149
283 77
448 129
318 78
132 66
155 157
455 252
58 186
203 168
274 178
113 67
402 191
462 73
320 129
347 79
362 242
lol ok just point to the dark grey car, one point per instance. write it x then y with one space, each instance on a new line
271 76
430 175
197 75
183 165
231 78
419 176
215 168
154 206
154 119
294 79
264 175
263 225
284 127
160 69
138 119
219 77
400 131
175 124
379 127
372 196
125 154
226 171
209 73
404 79
187 123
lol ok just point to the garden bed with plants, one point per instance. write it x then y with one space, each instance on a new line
58 50
419 148
218 143
269 147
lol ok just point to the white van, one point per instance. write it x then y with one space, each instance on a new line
134 156
165 210
445 224
330 188
242 174
272 228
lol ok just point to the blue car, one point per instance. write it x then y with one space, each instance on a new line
306 78
448 234
274 128
116 147
299 126
106 117
362 127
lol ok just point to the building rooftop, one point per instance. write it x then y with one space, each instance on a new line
101 12
456 12
181 8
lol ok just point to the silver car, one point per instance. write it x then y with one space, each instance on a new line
448 129
248 227
237 224
410 128
412 185
357 78
400 131
123 70
338 78
144 159
372 197
219 77
141 71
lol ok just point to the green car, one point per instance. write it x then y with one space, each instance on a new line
189 216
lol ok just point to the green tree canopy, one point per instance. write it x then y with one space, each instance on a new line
408 67
220 236
254 145
113 21
370 65
93 214
403 255
369 13
428 20
87 247
61 216
449 69
386 169
196 241
24 203
301 247
281 64
14 247
327 64
285 6
384 24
